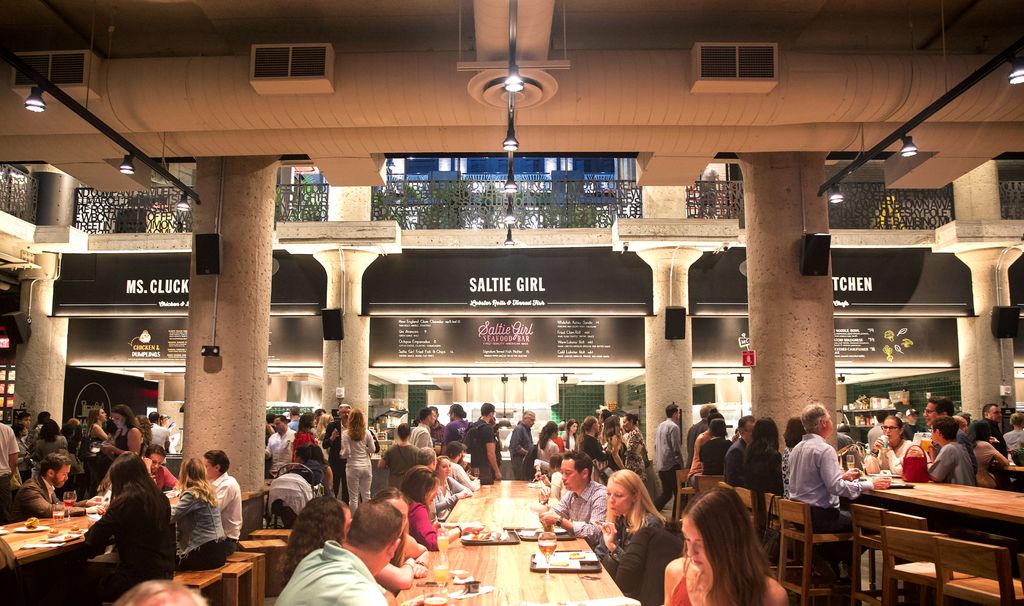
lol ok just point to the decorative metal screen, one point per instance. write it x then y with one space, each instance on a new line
18 192
307 202
157 211
467 204
872 206
1011 199
714 200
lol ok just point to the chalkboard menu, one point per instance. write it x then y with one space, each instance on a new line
493 340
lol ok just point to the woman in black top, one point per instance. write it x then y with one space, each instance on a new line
712 453
128 437
589 444
139 521
762 462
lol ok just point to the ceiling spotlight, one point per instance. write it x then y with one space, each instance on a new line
34 102
465 379
127 166
739 378
565 379
1016 70
510 144
835 195
841 378
510 183
523 378
508 238
504 378
183 205
510 216
908 149
514 82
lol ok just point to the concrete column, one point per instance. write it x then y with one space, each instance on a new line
225 398
791 326
355 349
669 364
664 202
355 203
55 200
331 260
985 361
976 194
42 359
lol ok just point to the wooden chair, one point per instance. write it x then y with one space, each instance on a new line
683 494
259 573
747 497
274 551
903 520
706 483
795 519
991 581
908 555
867 534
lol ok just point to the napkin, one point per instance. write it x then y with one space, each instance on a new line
462 595
619 601
95 517
37 545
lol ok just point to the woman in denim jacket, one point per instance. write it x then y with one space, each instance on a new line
200 535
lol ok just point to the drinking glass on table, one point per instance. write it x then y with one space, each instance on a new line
69 500
442 540
851 461
547 542
58 513
441 571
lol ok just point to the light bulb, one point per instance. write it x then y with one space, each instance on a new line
34 102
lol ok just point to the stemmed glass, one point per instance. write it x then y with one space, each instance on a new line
547 542
70 497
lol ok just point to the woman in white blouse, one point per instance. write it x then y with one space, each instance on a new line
888 454
357 445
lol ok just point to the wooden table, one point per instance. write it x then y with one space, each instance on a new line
26 556
507 567
1001 505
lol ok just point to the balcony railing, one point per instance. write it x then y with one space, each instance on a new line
295 203
481 204
1011 199
18 192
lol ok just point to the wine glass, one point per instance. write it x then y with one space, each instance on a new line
547 542
70 497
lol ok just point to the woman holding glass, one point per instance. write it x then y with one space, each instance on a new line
419 487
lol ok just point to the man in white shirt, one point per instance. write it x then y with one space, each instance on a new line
420 437
8 466
279 446
229 495
161 435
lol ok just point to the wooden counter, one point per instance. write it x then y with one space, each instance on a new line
507 567
988 503
26 556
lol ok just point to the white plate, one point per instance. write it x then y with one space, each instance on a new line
3 532
36 529
459 573
63 538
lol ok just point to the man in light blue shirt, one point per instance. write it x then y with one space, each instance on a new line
584 503
339 575
667 456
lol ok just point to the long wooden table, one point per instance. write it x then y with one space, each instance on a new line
507 567
26 556
988 503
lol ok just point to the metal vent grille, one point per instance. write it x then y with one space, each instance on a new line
40 63
270 62
67 68
309 61
756 62
718 61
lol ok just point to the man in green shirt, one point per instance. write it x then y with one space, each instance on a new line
337 575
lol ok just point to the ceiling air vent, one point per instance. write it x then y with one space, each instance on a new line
734 68
70 70
292 69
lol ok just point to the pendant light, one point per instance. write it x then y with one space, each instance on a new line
34 102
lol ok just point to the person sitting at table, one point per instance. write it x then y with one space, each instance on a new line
936 408
37 496
697 466
201 542
554 488
635 547
161 593
139 521
342 574
456 453
722 563
1015 438
312 456
410 561
419 487
449 491
427 458
988 457
585 502
950 462
162 476
229 495
322 519
888 456
712 452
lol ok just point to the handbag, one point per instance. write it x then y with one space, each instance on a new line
915 469
771 539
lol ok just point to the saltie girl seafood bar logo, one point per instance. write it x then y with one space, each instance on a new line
500 333
142 348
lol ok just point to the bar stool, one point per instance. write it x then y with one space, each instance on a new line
916 552
795 518
274 551
992 579
259 573
271 533
706 483
682 491
867 529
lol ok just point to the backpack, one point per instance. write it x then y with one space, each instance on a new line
474 439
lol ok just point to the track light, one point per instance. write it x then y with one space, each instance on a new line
1017 70
127 166
908 149
508 242
34 102
510 183
183 205
565 379
523 378
841 378
835 195
504 378
510 143
465 379
510 216
513 82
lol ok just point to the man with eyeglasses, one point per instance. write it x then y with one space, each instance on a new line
943 407
887 451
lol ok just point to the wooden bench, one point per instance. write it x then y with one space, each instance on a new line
210 583
274 550
271 533
259 573
238 584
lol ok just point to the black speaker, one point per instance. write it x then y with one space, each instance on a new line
1005 322
334 330
207 252
814 254
17 326
675 323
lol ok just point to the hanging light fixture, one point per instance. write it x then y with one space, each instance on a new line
34 102
510 144
127 165
510 216
908 149
183 205
508 242
835 195
1017 70
510 182
514 81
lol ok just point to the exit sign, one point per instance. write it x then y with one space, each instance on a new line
749 358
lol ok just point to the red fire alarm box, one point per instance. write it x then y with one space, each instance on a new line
750 358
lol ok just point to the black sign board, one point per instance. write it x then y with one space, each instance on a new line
542 341
156 284
294 341
551 282
865 282
85 389
860 342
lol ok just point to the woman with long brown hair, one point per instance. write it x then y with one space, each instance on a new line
128 437
200 534
357 446
303 435
722 563
419 488
322 519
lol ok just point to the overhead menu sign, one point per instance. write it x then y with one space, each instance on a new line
865 282
554 282
432 341
157 284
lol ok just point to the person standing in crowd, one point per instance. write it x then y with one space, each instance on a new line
697 467
356 448
546 446
722 563
614 447
762 463
96 463
420 437
520 443
636 451
229 496
484 448
455 430
712 452
322 422
128 437
569 441
695 430
72 432
456 451
294 414
201 543
950 461
139 522
667 456
41 419
400 457
993 415
420 487
887 452
161 435
584 504
142 421
590 443
304 434
162 476
877 431
735 462
24 453
332 444
937 408
436 427
279 446
989 458
38 495
49 440
8 467
792 436
1015 438
910 424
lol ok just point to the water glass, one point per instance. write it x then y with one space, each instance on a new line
851 462
58 513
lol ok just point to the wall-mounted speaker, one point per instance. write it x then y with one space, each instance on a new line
334 330
207 254
1005 322
814 254
17 326
675 323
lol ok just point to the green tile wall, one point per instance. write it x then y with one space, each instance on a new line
945 384
382 391
418 399
577 402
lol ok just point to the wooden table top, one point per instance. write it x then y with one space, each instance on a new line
968 500
25 556
506 505
1011 469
